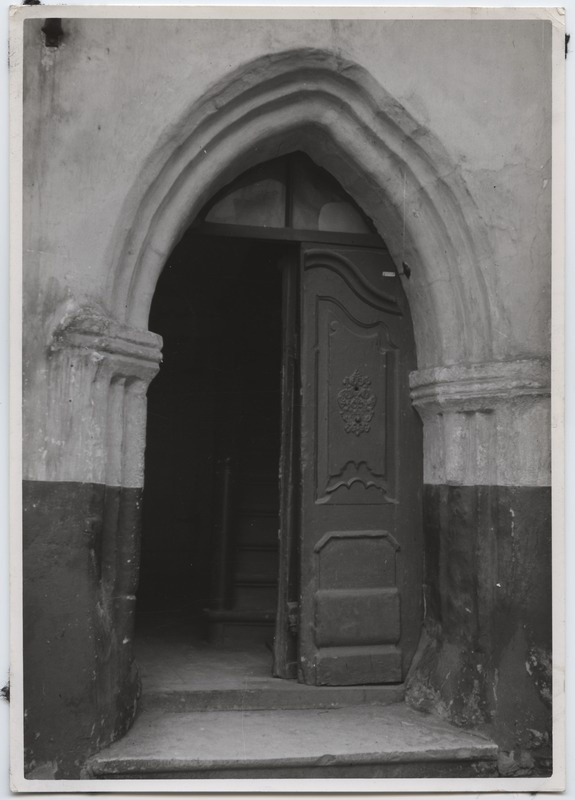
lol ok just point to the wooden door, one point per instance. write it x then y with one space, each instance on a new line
361 478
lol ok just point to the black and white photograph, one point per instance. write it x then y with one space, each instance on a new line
287 484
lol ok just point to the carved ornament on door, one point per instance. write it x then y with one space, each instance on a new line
356 403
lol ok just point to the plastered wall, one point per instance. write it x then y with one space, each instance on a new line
102 105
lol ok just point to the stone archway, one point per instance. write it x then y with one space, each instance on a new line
404 180
393 167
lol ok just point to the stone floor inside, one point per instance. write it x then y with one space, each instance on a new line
188 674
209 712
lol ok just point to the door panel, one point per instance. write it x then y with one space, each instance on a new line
355 364
360 563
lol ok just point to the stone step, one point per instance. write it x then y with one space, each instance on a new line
362 741
240 626
254 595
270 694
239 632
254 529
258 560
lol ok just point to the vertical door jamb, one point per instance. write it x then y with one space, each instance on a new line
285 641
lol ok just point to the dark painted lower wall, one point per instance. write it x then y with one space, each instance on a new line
485 657
484 660
80 684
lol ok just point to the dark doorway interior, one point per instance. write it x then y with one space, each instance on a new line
283 466
211 499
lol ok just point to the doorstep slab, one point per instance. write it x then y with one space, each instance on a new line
180 676
271 695
356 741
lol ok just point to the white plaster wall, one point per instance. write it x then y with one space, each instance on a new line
104 105
100 105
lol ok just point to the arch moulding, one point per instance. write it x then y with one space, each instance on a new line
336 112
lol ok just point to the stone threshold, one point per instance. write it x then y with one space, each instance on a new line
361 740
270 695
191 676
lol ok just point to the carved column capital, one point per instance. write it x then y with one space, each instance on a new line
93 384
486 424
478 387
132 353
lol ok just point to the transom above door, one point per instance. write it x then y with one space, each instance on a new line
289 198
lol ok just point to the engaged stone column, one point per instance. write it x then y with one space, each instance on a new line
82 498
486 653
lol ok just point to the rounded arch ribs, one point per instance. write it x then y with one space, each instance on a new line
337 113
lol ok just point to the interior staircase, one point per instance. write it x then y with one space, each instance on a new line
248 521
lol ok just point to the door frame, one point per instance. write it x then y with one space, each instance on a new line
285 650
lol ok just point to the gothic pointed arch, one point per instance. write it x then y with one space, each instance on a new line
394 169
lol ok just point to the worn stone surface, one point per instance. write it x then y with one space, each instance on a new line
368 737
80 682
93 385
178 675
486 424
486 657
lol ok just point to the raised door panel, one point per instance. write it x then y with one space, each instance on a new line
359 524
355 367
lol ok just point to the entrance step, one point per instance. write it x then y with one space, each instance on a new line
361 741
179 676
241 627
253 593
270 694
